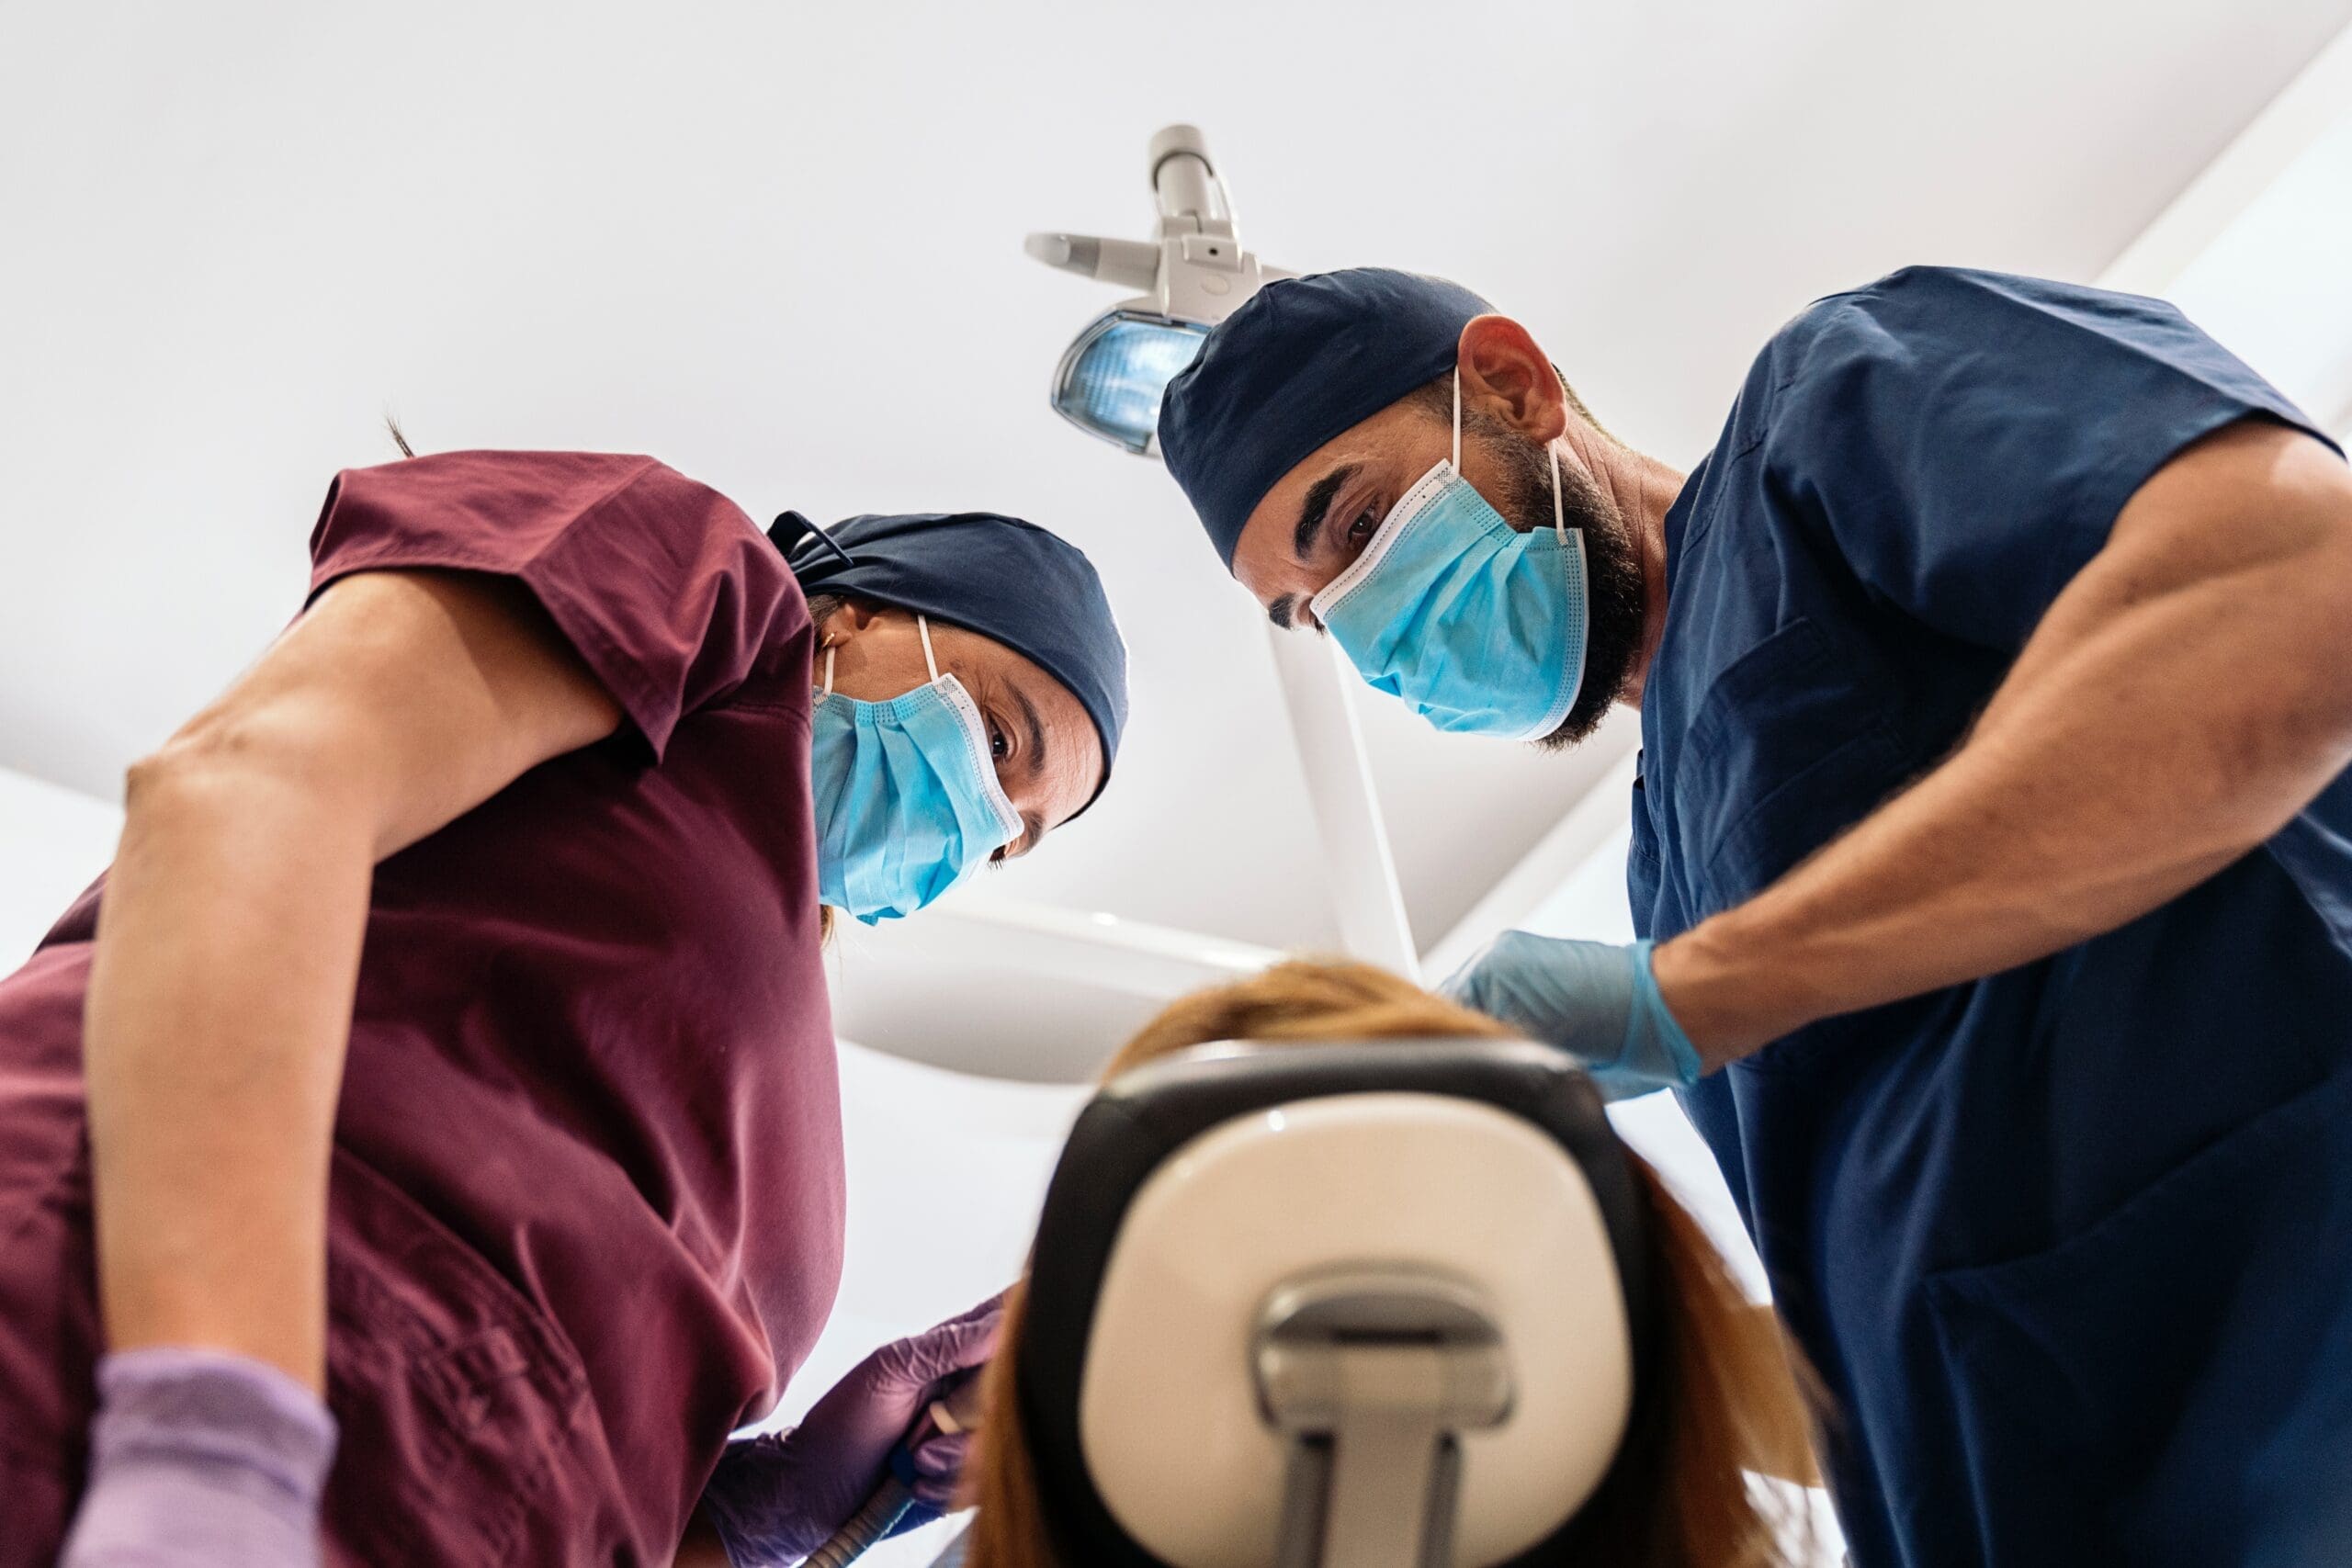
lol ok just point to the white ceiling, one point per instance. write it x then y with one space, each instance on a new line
778 246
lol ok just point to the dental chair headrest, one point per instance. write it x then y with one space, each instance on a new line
1202 1197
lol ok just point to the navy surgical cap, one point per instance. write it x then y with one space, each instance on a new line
1008 581
1303 360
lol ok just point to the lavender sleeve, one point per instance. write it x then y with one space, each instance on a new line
200 1458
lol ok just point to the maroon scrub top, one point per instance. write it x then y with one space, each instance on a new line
587 1201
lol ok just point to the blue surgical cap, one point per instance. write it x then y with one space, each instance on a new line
1303 360
1008 581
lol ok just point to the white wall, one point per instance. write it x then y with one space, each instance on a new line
53 843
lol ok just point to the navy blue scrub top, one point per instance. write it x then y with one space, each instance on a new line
2070 1246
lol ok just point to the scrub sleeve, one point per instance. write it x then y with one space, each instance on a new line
586 1207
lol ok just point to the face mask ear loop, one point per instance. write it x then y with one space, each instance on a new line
1457 422
929 663
1559 512
829 669
1009 815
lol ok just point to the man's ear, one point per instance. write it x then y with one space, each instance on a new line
848 618
1507 375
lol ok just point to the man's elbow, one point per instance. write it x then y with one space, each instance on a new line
2314 689
2287 731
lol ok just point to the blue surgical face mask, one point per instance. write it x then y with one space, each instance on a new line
907 797
1478 628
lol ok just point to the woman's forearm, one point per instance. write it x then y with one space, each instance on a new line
219 1012
219 1004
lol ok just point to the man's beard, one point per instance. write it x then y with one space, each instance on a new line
1614 591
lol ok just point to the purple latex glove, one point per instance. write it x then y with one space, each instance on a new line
777 1497
200 1458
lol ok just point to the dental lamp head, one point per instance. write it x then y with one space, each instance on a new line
1189 279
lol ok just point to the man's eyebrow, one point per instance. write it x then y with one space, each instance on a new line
1283 610
1318 502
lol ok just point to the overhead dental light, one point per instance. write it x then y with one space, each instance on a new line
1194 274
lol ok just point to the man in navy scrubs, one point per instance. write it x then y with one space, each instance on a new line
1991 846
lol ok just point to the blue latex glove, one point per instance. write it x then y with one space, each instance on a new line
777 1497
1595 1000
200 1458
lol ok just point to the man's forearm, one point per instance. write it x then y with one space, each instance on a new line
2152 732
1945 885
219 1012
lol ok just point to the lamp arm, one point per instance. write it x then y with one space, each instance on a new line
1131 264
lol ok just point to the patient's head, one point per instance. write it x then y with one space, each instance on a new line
1724 1398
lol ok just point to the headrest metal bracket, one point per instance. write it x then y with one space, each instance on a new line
1370 1373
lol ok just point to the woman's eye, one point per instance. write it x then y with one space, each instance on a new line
999 746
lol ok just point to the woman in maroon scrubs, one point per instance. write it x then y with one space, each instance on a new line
452 1037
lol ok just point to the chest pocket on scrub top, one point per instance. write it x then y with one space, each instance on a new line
1792 745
